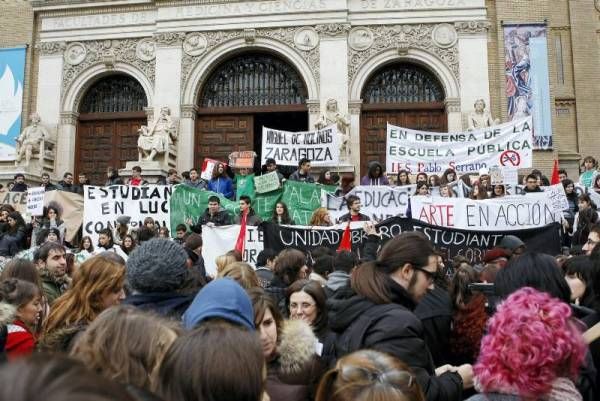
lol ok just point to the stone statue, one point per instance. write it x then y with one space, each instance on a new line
31 140
480 117
332 116
155 139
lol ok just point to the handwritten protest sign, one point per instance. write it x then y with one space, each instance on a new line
498 214
102 206
379 202
558 197
242 159
288 148
266 182
507 144
218 241
302 199
35 201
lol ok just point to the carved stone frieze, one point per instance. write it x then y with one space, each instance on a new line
189 111
50 48
471 27
216 38
69 118
354 106
164 39
314 106
108 52
402 38
333 30
452 105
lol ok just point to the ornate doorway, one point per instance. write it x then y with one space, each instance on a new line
235 98
402 94
111 112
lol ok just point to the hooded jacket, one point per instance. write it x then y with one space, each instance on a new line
294 374
224 299
370 178
7 312
222 185
392 328
335 281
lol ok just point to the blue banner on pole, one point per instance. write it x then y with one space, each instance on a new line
12 72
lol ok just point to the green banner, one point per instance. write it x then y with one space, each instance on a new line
302 199
190 203
264 204
244 185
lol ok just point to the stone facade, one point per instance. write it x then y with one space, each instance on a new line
170 46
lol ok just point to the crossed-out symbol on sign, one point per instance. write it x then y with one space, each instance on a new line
510 157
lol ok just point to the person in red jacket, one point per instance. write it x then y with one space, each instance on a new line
26 297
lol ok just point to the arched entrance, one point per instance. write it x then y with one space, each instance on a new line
240 96
402 94
110 114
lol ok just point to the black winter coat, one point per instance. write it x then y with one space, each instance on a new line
221 218
435 312
394 329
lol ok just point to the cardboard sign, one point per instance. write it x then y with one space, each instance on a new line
208 165
505 145
35 201
242 159
266 182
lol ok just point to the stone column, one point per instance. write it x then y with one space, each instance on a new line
354 107
455 123
473 65
167 86
64 158
333 51
186 141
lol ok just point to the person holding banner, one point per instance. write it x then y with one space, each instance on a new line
375 176
247 215
220 182
303 172
321 218
214 215
271 165
354 214
403 178
281 214
377 313
195 181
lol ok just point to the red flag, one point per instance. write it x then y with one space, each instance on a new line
241 239
346 242
555 180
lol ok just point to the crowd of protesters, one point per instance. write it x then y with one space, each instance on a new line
135 316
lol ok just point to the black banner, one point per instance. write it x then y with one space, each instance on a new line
473 244
451 242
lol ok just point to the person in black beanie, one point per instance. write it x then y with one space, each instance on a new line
157 272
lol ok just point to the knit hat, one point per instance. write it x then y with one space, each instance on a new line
158 265
493 254
222 298
510 242
124 220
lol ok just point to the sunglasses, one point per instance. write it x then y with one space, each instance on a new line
430 275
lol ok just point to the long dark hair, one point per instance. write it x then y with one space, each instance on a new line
16 216
400 172
371 278
285 217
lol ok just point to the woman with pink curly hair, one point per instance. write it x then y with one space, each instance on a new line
533 350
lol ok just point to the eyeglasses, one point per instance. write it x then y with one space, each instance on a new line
303 306
392 377
430 275
591 242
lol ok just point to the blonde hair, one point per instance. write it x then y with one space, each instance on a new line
224 260
318 217
83 302
126 345
241 272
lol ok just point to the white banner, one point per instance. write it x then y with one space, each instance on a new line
377 201
102 206
288 148
217 241
499 214
506 145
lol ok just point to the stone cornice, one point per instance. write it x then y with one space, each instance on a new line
472 27
50 48
354 106
333 30
189 111
168 39
452 105
69 118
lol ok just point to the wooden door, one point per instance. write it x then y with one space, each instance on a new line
219 135
103 143
373 129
